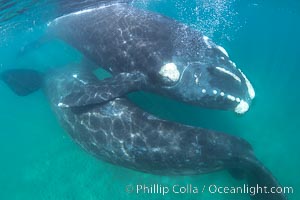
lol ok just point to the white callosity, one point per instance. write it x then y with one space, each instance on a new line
223 50
209 45
233 64
207 42
230 97
249 86
229 73
242 107
170 71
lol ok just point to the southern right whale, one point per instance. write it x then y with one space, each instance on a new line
153 53
120 133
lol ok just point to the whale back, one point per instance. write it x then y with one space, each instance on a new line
118 37
66 7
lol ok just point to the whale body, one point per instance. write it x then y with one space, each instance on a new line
120 133
172 59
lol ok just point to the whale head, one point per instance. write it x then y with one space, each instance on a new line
211 81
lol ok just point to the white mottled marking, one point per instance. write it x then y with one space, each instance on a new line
170 71
215 91
84 11
242 107
233 64
222 94
196 79
91 9
76 77
229 73
79 13
123 149
206 40
155 149
223 50
249 86
203 90
238 100
232 98
62 105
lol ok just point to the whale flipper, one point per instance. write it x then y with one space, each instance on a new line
264 178
100 91
258 176
22 81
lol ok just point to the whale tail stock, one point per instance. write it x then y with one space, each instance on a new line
261 176
22 81
260 179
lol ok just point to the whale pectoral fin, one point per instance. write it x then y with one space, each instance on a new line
22 81
100 91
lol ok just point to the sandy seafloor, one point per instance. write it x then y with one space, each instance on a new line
38 160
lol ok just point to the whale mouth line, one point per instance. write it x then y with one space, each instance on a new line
242 105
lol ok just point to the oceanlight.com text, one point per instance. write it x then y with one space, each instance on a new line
212 189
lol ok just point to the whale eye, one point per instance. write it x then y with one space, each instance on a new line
169 73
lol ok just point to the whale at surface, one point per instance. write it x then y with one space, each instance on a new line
120 133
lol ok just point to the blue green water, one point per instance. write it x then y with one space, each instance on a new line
40 161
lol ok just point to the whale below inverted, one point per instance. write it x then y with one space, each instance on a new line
120 133
153 53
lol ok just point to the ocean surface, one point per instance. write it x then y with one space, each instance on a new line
38 160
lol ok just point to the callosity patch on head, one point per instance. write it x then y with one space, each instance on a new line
251 90
222 50
170 72
229 73
242 107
